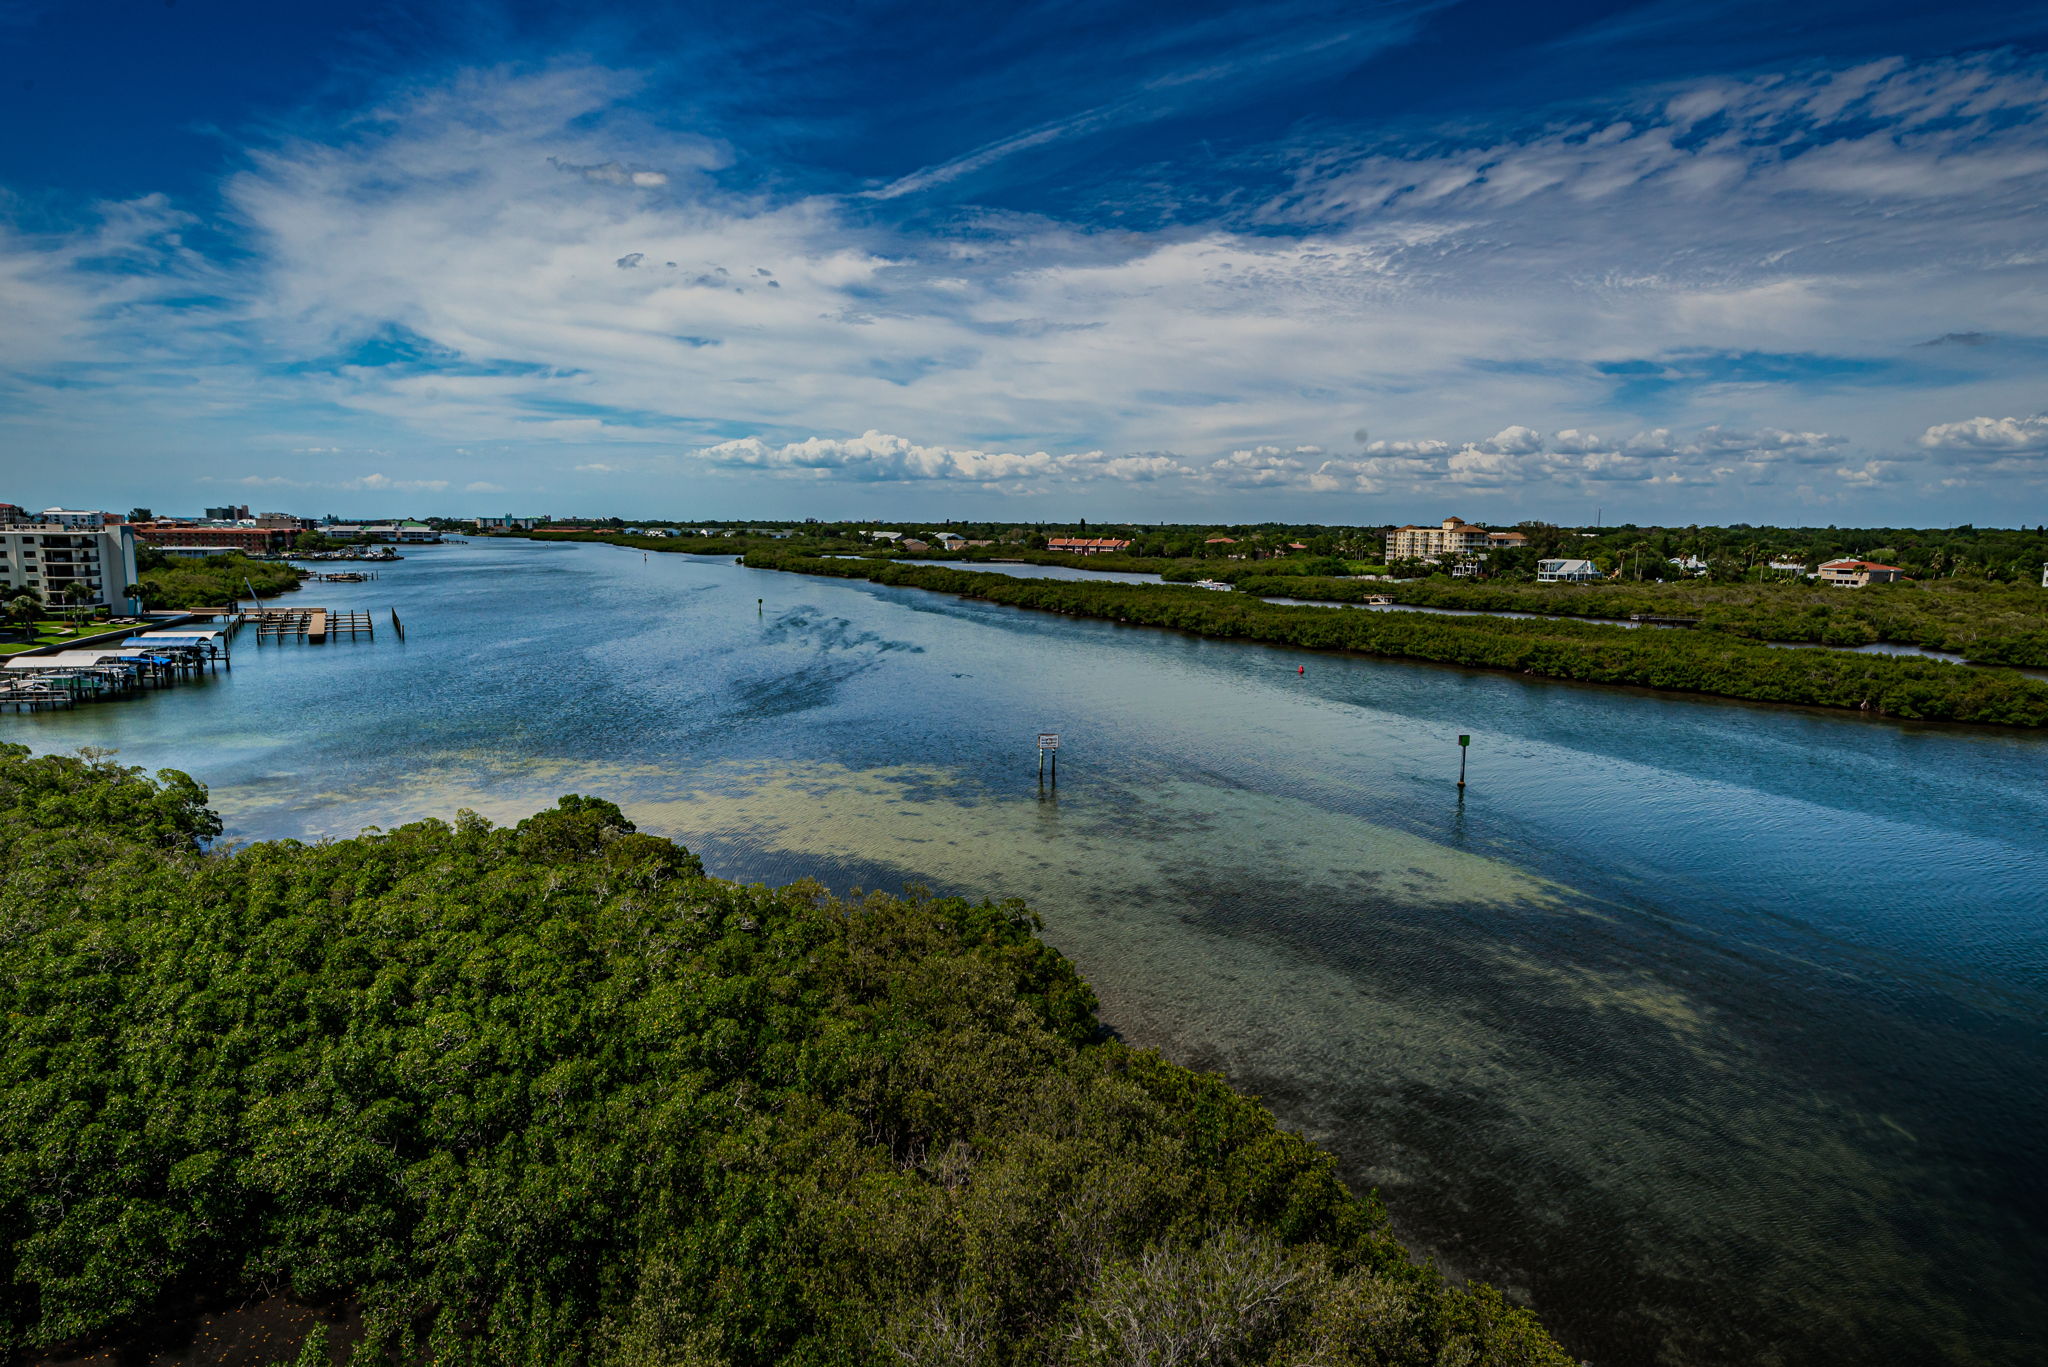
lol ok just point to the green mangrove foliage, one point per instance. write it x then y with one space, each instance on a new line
675 545
548 1094
1694 661
1989 622
213 582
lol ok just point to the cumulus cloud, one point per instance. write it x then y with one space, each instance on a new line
1519 456
1989 436
1422 288
880 456
1261 467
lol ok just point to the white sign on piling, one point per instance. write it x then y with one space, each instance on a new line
1049 744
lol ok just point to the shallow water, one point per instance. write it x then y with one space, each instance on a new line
1715 1031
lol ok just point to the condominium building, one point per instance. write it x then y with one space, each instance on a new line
254 540
75 566
77 519
1451 538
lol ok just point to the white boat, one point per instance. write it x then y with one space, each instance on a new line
1216 584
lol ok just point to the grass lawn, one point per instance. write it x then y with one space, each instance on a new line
55 633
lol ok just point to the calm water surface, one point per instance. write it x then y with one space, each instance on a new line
1717 1033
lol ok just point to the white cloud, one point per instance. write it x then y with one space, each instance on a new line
483 486
374 483
488 219
880 456
1988 436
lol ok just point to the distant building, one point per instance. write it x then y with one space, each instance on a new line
1088 545
951 541
1451 537
1506 541
416 533
234 512
911 543
1566 571
252 540
1854 574
280 520
75 518
86 566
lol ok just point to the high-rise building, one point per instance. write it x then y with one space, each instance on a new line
69 565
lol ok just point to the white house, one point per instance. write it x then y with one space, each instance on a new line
1566 571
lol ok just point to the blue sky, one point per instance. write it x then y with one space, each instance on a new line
1331 262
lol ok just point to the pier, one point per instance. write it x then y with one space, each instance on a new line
124 664
314 626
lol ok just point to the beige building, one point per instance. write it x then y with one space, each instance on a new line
1450 539
48 559
1088 545
1855 574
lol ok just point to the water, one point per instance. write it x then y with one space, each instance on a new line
1714 1031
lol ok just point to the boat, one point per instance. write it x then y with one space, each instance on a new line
1217 584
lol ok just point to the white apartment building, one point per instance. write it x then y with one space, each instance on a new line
74 518
48 558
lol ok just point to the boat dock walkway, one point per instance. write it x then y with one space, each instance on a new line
120 665
315 626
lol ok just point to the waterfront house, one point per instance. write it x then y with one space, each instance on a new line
1854 574
1087 545
1564 571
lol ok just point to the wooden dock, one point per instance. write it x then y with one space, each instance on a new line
314 626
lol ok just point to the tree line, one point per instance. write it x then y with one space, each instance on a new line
546 1093
1692 661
